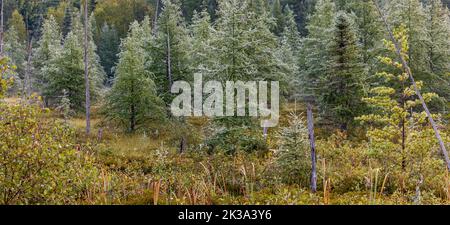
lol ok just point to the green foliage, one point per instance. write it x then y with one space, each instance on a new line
18 23
58 12
235 140
293 155
244 46
49 45
314 53
399 137
171 44
108 50
65 72
392 158
67 20
5 82
201 52
40 163
411 14
342 87
16 51
121 13
370 30
133 101
64 69
64 106
277 13
438 52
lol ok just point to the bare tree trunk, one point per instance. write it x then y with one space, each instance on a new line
155 20
1 29
28 68
168 63
182 144
408 71
313 147
86 69
265 133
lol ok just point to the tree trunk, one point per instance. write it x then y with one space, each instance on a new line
168 63
28 68
313 147
408 71
86 69
133 119
1 28
265 133
182 144
155 20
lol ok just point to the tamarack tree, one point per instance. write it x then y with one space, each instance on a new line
133 99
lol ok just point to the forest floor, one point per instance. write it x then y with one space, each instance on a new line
146 168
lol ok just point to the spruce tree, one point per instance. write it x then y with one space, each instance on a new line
49 45
244 49
293 156
65 73
342 87
18 23
411 14
290 31
314 54
277 13
15 50
201 32
67 20
108 49
133 100
437 48
243 44
370 30
170 49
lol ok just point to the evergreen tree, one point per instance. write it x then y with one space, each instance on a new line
411 14
244 46
289 52
67 21
314 54
15 44
15 50
201 32
278 15
65 74
292 156
49 45
96 73
133 100
108 50
18 23
58 12
342 88
397 134
244 49
170 49
370 30
438 50
290 31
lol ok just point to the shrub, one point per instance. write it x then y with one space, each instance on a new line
40 162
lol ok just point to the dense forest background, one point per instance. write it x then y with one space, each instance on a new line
85 98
